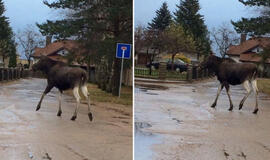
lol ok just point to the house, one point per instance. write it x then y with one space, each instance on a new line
5 62
249 50
58 50
143 56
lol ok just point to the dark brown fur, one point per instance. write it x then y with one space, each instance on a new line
229 72
61 76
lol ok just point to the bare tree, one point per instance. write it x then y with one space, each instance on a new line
28 40
223 38
175 40
139 37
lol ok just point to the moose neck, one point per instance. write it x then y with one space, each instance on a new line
215 64
46 69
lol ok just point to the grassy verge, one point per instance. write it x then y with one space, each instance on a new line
98 95
264 85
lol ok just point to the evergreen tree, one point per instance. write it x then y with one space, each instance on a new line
255 26
187 15
12 54
162 19
98 25
7 43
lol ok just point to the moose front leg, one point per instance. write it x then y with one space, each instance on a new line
59 109
47 90
218 93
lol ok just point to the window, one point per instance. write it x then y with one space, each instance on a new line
63 52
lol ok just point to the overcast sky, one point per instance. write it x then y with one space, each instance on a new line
215 11
24 12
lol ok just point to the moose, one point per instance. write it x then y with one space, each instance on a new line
228 73
63 77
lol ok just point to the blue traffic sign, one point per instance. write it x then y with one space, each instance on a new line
123 51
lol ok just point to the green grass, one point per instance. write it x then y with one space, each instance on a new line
264 85
171 75
98 95
145 73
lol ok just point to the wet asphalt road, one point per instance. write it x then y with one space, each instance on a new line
175 122
26 134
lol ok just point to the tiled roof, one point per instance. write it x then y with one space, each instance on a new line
248 45
56 46
251 57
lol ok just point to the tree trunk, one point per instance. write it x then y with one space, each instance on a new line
3 58
29 62
172 67
150 62
116 77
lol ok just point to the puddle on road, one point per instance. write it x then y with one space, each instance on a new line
149 87
144 140
146 87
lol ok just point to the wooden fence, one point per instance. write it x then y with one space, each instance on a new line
8 74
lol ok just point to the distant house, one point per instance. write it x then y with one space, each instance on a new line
5 62
249 50
143 56
57 50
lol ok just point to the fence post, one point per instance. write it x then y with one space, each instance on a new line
8 74
1 74
189 73
17 75
162 70
12 73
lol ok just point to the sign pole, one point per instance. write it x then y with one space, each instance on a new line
121 74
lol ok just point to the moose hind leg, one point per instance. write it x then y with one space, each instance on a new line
87 96
229 95
218 93
255 89
77 96
247 87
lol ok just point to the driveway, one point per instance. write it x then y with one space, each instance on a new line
175 122
27 134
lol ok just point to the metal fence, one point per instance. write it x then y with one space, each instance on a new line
192 73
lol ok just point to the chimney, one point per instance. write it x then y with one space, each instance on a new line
48 40
243 38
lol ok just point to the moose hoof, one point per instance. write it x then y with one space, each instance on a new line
38 107
59 113
240 106
230 109
90 116
213 105
73 118
255 111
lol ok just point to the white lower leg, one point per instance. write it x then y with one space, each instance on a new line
77 96
86 94
247 87
255 89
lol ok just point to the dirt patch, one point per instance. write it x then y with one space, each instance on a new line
27 134
188 128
